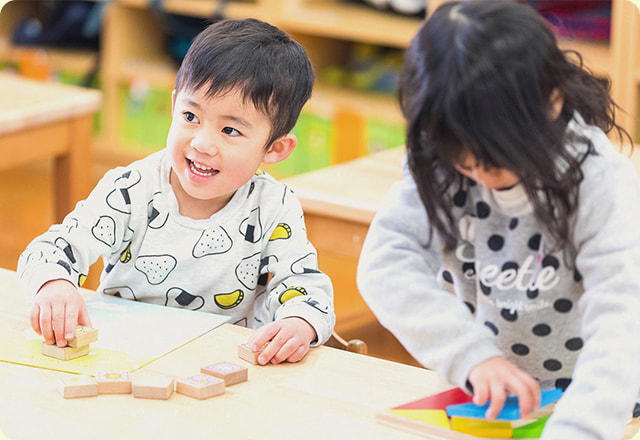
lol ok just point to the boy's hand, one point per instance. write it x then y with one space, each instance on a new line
57 310
497 378
288 340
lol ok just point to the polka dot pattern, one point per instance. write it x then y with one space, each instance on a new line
516 286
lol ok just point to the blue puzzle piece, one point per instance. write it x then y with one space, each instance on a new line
509 412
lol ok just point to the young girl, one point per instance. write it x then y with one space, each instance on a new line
509 257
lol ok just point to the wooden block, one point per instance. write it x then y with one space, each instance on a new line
249 355
200 386
64 353
71 387
148 386
84 336
113 382
230 373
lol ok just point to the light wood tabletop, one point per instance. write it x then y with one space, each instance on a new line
44 120
331 394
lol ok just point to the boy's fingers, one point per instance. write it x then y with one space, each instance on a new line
70 321
46 326
58 324
84 318
261 337
34 318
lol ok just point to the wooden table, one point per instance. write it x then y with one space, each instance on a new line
40 120
339 203
331 394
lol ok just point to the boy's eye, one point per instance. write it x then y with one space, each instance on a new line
230 131
190 117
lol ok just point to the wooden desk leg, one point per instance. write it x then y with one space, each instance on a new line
73 170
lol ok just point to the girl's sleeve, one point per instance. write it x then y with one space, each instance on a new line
398 278
297 287
606 380
94 228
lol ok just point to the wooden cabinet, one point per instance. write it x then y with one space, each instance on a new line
625 46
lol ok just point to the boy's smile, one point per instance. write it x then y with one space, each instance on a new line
216 144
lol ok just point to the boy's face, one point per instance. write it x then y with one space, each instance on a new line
216 145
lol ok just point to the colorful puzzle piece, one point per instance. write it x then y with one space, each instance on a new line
509 412
531 430
439 401
481 428
437 417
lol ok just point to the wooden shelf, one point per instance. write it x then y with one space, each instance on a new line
203 8
346 21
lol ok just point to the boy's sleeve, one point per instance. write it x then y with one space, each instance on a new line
398 278
66 251
297 287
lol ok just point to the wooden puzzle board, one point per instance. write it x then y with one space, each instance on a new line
428 427
131 334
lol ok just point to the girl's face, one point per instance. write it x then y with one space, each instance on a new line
492 178
216 145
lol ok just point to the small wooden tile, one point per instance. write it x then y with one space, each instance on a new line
71 387
64 353
84 336
147 386
200 386
249 355
230 373
113 382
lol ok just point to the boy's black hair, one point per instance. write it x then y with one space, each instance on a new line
271 70
480 77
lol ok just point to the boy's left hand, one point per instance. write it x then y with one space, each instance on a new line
288 340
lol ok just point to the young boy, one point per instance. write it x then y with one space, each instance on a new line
197 225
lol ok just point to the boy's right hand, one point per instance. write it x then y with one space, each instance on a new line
497 378
57 310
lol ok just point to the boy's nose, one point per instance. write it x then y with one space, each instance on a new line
204 144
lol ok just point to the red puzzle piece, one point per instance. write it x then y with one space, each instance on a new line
439 401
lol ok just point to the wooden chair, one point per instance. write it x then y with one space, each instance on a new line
353 345
625 47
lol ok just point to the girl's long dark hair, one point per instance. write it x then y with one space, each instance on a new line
479 77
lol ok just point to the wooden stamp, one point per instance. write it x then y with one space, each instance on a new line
230 373
200 386
64 353
249 355
113 382
84 336
74 386
147 386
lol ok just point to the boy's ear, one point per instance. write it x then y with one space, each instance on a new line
280 149
173 100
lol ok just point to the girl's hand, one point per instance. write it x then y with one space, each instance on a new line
497 378
287 339
57 310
